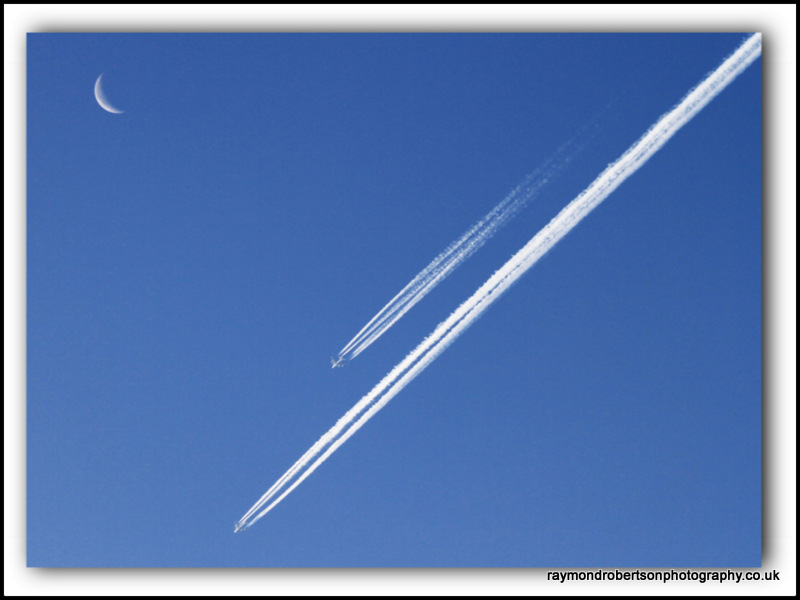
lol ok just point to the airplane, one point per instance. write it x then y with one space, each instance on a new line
238 527
337 362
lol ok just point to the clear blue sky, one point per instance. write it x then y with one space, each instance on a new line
194 261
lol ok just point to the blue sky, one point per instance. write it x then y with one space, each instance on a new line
195 261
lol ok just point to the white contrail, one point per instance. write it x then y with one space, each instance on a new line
466 314
459 251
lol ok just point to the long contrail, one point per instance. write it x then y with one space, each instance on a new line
460 250
466 314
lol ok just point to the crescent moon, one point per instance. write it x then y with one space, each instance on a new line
101 98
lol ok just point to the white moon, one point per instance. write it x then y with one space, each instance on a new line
101 97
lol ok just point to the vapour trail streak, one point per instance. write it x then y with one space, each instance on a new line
445 263
460 250
500 281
